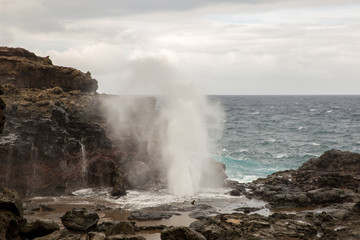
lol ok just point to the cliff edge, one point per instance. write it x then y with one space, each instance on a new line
23 69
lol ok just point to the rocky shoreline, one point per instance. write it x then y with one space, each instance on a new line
329 212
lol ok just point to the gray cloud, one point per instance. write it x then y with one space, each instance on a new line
233 47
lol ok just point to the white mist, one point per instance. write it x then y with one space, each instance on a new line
185 144
185 119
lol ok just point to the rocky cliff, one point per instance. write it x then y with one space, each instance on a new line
23 69
57 137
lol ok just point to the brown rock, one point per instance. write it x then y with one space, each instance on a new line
79 219
26 70
38 228
181 233
9 201
10 225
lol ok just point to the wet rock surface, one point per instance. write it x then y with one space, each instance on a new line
151 215
79 219
181 233
38 228
117 228
10 201
334 177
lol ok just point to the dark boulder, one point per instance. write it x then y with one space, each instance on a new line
119 188
151 215
116 228
181 233
79 219
10 225
38 228
9 201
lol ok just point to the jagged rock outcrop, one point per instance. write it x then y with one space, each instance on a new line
23 69
303 225
59 139
334 177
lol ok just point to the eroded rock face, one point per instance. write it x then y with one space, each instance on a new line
24 69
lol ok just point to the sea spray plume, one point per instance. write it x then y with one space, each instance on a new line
181 126
186 140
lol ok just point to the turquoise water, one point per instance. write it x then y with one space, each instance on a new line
265 134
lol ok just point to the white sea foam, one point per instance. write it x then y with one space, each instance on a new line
141 199
281 155
137 199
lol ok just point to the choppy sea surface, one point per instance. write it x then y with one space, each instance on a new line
265 134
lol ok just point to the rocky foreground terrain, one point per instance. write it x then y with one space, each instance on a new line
326 212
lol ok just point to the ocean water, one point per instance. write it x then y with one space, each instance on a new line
265 134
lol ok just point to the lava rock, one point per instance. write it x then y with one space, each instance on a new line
119 188
10 225
150 215
334 177
116 228
46 208
181 233
22 68
38 228
96 236
10 201
79 219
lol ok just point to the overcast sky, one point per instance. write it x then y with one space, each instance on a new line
223 47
